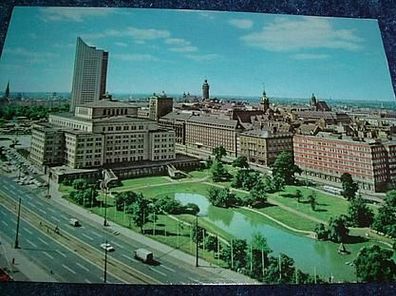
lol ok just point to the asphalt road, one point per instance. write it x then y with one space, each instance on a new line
60 263
170 270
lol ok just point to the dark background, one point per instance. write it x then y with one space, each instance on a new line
383 10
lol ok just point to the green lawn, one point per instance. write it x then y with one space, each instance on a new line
328 206
139 182
288 218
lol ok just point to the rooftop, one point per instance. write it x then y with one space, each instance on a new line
213 120
108 104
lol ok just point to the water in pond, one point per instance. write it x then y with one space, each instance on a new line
309 255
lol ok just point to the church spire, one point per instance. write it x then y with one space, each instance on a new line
7 90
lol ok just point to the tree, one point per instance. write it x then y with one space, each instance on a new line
349 187
219 173
221 197
198 234
321 232
385 220
246 179
280 270
241 162
312 200
124 199
239 248
338 232
219 152
359 214
210 243
258 194
298 195
260 251
192 209
169 205
80 184
139 211
209 162
374 264
284 168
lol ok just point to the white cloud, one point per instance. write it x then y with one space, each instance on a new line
203 57
177 41
135 57
308 32
121 44
184 49
74 14
241 23
135 33
309 56
31 57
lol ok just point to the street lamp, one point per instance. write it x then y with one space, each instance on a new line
196 240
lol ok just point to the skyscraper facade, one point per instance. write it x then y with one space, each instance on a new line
205 90
90 74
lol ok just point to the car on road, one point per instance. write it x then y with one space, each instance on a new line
107 247
74 222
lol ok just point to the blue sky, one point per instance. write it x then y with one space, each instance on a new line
174 50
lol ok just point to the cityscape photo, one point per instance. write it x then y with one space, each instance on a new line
153 146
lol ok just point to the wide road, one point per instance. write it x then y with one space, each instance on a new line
61 263
170 269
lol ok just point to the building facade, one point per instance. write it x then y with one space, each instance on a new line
208 132
263 146
205 90
160 106
371 163
177 121
103 133
90 74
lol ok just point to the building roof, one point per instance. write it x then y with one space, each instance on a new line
266 133
205 119
107 104
119 118
176 115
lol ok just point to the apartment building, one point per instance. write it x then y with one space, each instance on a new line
103 133
327 156
263 146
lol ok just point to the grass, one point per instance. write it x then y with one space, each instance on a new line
139 182
288 219
328 206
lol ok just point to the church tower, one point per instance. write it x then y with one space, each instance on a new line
265 104
205 91
313 102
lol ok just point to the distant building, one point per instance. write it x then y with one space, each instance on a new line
327 156
263 146
264 103
100 134
177 121
207 132
205 90
90 73
5 100
319 105
160 106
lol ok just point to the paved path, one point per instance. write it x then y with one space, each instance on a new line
155 245
32 271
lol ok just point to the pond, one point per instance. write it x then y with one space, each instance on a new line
309 254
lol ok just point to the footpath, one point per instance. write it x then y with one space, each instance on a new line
19 267
222 273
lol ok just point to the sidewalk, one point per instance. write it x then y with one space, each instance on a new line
227 274
23 269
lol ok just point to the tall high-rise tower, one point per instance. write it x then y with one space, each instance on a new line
205 90
7 91
90 74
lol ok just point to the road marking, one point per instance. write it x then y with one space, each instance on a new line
42 211
4 222
87 281
52 210
55 218
32 205
64 217
194 280
130 258
48 255
30 242
60 253
117 244
28 231
87 236
82 266
68 268
168 268
43 241
157 271
94 233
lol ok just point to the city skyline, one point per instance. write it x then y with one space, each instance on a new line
149 51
